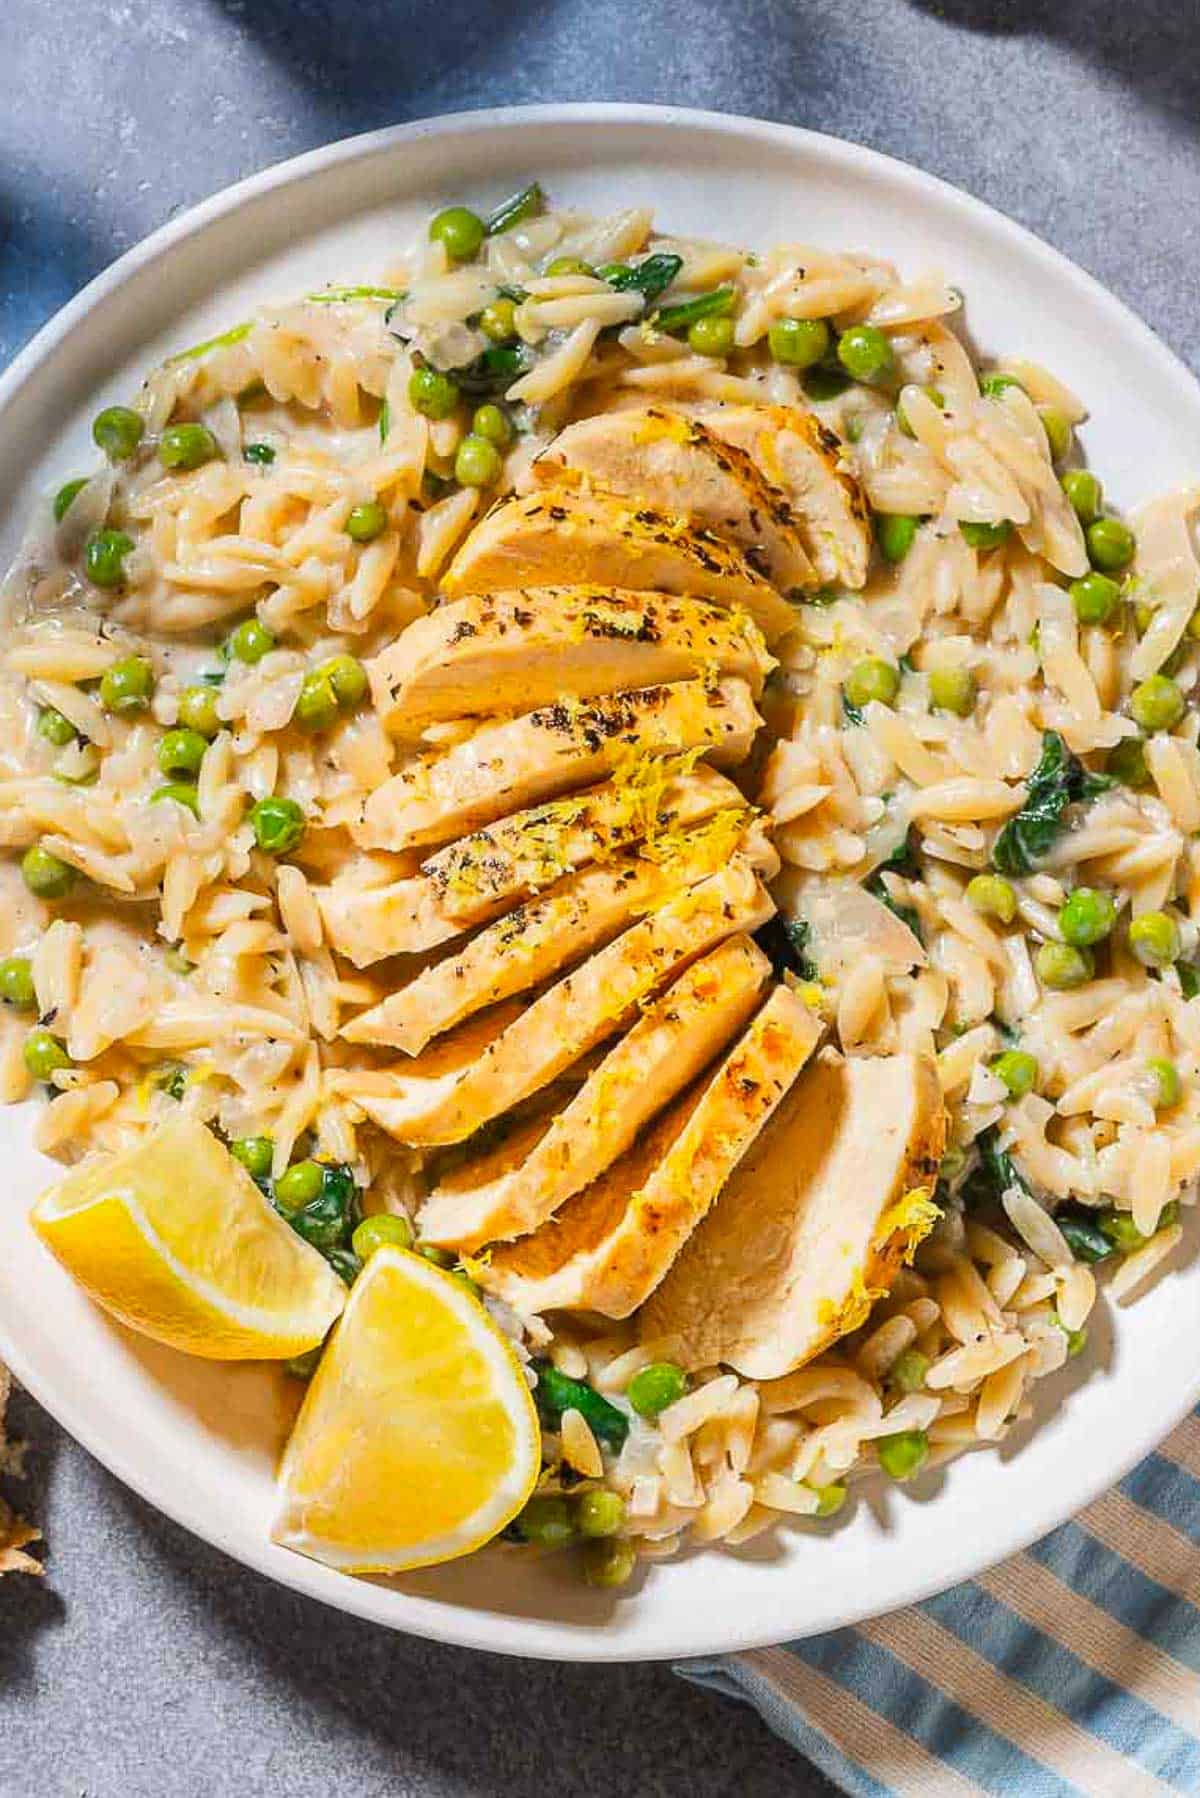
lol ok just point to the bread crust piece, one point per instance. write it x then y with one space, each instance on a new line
808 463
478 1072
815 1223
609 1247
546 934
668 459
491 1200
514 651
562 534
524 760
481 875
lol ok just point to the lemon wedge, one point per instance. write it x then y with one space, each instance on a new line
174 1238
418 1439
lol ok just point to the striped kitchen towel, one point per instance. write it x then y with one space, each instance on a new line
1070 1671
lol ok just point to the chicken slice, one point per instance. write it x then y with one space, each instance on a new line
562 534
815 1223
509 652
522 760
425 1105
473 880
806 461
539 938
670 460
492 1199
608 1247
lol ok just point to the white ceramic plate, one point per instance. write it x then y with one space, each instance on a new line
199 1441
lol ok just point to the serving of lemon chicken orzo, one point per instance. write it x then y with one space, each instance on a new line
603 849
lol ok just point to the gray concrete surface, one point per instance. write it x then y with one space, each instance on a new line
145 1664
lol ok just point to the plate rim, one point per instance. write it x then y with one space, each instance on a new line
475 1627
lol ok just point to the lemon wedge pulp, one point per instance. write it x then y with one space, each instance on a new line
418 1439
174 1239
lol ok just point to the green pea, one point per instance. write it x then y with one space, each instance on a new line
933 393
432 393
66 493
871 679
824 383
1154 938
380 1232
993 897
187 446
55 728
830 1499
476 463
1111 544
177 961
655 1387
1086 917
126 687
608 1564
711 336
366 522
567 265
908 1370
429 1251
45 875
547 1520
904 1454
1084 494
1120 1230
198 711
895 533
1126 762
493 424
1059 434
1170 1086
182 792
181 751
104 556
1157 703
799 342
348 678
317 706
1094 597
16 982
1076 1339
260 455
992 386
278 825
985 536
118 431
1061 966
953 690
498 322
1018 1070
299 1185
44 1055
599 1513
459 230
865 352
255 1154
251 641
303 1367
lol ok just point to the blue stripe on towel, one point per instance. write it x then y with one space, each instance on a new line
1126 1594
924 1712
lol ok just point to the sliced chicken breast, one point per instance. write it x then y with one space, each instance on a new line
670 460
422 1104
807 462
523 760
509 652
491 1199
561 534
480 876
544 935
815 1222
609 1247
